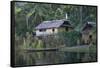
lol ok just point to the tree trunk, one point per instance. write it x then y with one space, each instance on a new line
27 22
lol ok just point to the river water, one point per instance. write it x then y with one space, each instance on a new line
52 57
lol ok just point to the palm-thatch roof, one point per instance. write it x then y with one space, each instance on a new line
88 26
54 24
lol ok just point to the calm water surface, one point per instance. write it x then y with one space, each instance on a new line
52 57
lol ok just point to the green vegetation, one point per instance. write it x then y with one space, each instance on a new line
80 49
29 15
71 38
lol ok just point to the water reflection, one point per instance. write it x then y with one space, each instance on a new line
52 57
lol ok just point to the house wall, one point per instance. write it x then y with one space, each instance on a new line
50 31
62 29
47 32
85 36
70 29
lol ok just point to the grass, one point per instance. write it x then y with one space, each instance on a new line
81 48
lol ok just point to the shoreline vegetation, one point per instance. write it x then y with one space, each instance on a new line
56 42
79 49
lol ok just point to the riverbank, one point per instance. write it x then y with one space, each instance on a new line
81 48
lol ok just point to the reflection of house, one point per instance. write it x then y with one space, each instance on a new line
87 32
52 27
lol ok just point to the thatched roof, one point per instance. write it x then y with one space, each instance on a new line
54 24
88 26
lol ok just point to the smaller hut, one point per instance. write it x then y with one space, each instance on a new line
87 32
